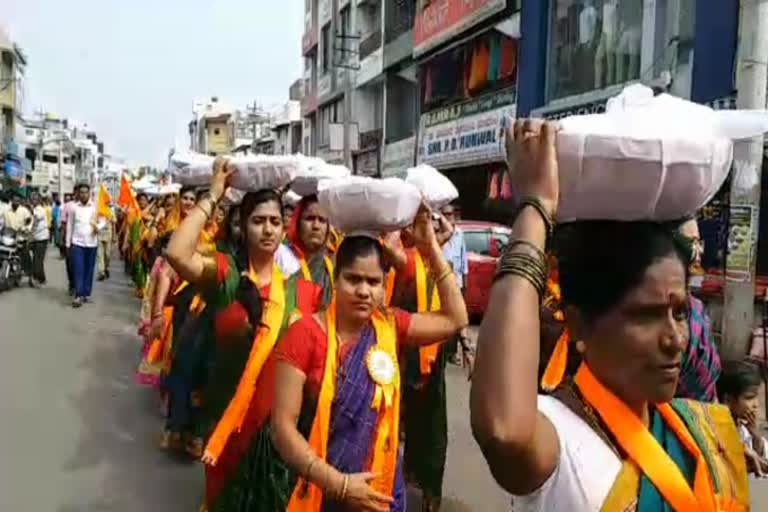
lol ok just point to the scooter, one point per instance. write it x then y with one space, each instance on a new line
10 263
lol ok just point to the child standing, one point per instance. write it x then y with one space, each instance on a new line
738 388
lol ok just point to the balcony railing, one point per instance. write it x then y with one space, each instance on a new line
370 44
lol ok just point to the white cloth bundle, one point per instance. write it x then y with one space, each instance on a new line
191 169
436 188
647 158
311 171
258 172
359 204
163 190
252 172
233 196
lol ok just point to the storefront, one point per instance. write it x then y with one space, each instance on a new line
466 142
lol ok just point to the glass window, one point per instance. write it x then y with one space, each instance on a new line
326 48
477 242
593 44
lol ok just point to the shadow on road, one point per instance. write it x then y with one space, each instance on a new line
121 422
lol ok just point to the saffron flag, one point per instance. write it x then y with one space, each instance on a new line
103 203
125 198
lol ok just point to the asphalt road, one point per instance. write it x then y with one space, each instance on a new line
77 434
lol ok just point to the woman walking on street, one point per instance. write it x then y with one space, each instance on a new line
611 438
308 235
333 439
251 302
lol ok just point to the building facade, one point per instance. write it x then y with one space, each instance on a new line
467 54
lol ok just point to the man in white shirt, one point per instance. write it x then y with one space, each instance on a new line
82 241
40 237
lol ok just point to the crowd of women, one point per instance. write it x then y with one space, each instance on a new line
306 369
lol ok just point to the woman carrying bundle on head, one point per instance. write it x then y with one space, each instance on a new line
251 302
332 439
612 437
424 412
308 235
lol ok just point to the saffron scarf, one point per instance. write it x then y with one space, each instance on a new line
292 234
558 361
427 353
263 343
654 463
381 361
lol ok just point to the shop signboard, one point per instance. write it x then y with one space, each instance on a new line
398 156
440 20
469 133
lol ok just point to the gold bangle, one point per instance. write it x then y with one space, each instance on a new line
344 488
309 467
445 273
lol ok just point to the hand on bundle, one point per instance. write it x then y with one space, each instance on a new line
424 230
532 153
222 170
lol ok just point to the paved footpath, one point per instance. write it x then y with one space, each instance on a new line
77 434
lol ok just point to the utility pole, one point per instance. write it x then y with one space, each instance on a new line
751 83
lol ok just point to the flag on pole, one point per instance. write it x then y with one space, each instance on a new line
126 199
103 204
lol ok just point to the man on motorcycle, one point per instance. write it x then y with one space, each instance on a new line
17 224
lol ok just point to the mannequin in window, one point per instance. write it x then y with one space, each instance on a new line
605 56
585 49
628 49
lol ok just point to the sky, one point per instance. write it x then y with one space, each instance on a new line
130 69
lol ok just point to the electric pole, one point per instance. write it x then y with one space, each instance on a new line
741 258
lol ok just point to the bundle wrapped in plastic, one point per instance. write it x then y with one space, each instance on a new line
291 198
366 205
233 196
647 158
258 172
436 188
163 190
252 172
311 171
191 169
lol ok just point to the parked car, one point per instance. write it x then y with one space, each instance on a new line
485 241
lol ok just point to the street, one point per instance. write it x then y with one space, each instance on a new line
79 435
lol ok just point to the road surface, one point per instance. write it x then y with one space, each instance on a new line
79 435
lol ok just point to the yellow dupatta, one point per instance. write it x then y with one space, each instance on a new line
644 450
307 275
428 353
263 343
383 369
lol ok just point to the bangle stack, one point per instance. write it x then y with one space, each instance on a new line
523 258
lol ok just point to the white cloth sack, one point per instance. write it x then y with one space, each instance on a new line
647 158
359 204
258 172
437 189
233 196
311 171
163 190
191 169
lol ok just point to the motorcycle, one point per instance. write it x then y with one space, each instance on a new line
10 263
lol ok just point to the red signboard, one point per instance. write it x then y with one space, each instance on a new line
440 20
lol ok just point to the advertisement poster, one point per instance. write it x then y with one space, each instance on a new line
741 242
